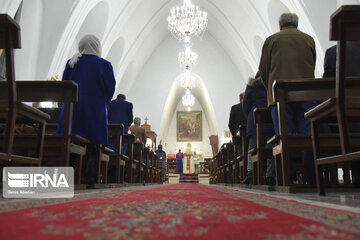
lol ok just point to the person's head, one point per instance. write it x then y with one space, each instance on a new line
288 20
137 120
121 96
89 44
241 96
179 150
160 147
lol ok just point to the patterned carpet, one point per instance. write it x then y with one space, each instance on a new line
183 211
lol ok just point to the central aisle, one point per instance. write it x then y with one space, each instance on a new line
182 211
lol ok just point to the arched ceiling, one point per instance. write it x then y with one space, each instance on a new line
132 31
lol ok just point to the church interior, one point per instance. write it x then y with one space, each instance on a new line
181 65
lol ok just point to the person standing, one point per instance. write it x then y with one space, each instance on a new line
179 158
237 116
161 161
96 85
121 111
256 97
290 54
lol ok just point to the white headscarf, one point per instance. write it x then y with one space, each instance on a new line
89 45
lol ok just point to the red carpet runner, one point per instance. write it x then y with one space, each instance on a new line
184 211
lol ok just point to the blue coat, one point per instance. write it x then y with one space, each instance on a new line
255 97
121 111
96 81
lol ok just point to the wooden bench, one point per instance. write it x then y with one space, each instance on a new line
64 149
345 26
237 141
260 154
230 162
146 165
138 160
243 158
296 90
115 132
130 164
12 110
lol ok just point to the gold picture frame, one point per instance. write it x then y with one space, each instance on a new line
189 126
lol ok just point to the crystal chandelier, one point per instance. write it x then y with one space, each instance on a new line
187 80
187 20
187 58
188 100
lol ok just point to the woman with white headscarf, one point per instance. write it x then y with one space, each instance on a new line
95 78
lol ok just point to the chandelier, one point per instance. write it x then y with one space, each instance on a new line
188 100
187 58
187 80
187 20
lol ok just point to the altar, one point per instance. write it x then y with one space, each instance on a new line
190 160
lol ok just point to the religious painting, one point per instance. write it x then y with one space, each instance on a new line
189 126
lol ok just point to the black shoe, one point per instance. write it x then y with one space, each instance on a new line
248 179
270 181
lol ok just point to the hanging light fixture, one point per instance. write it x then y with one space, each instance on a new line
187 80
187 58
188 100
187 20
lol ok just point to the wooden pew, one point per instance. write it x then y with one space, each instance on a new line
296 90
145 164
226 164
243 158
219 167
237 140
345 26
115 132
138 160
130 164
12 110
64 149
230 160
260 154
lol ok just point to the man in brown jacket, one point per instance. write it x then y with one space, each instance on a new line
290 54
139 132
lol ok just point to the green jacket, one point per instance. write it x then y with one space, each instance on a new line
288 54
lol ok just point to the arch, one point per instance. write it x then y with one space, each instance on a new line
31 21
95 22
115 53
127 79
248 71
275 9
79 15
10 6
258 43
202 96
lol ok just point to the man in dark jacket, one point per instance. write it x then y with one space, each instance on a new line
256 97
237 116
121 111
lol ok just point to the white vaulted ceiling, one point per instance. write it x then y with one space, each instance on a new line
136 40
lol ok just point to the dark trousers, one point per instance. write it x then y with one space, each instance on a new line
297 124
